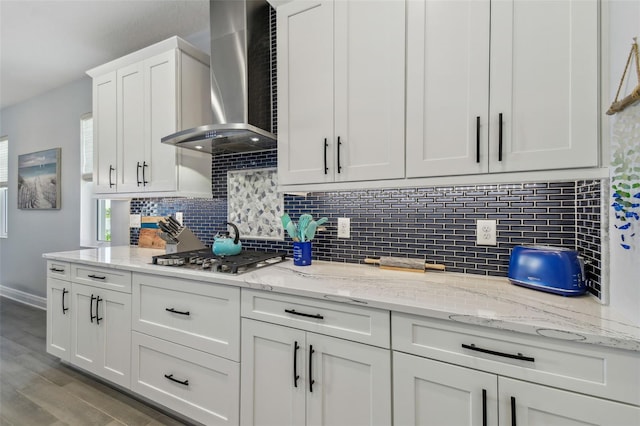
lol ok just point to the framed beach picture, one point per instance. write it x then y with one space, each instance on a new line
39 180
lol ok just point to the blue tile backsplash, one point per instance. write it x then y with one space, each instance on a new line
435 223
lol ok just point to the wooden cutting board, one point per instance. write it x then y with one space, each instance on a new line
149 239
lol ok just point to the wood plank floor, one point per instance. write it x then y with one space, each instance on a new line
37 389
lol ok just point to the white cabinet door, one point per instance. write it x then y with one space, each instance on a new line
527 404
369 89
305 92
131 135
85 339
196 384
200 315
341 90
115 334
104 133
160 120
514 88
447 87
544 83
292 377
101 332
273 386
348 383
427 392
58 318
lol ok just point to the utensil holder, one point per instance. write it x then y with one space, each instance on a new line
302 253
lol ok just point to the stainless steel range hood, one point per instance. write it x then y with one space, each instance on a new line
240 82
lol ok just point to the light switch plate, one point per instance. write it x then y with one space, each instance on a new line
486 232
344 227
135 220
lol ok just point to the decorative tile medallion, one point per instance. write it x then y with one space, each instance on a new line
254 203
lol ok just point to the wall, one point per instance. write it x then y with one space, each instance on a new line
624 21
49 121
436 223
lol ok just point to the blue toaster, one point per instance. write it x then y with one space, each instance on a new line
552 269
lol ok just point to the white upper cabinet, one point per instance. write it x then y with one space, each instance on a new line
501 86
447 87
544 82
341 91
131 137
104 133
139 99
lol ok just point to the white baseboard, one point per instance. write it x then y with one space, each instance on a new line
24 297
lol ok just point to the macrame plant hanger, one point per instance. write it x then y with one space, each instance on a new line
634 97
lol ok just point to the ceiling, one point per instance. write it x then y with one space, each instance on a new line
47 44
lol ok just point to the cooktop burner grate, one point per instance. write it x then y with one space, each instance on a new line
204 259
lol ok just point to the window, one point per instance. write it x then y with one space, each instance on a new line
104 220
86 141
95 215
4 178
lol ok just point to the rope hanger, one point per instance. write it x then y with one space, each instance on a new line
632 98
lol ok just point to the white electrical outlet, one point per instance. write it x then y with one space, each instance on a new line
344 227
135 220
179 217
486 232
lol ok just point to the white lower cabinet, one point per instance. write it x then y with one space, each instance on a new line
351 382
448 373
307 361
101 332
273 390
58 311
186 347
294 376
199 315
199 385
428 392
432 393
528 404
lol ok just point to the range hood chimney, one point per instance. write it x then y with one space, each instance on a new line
240 82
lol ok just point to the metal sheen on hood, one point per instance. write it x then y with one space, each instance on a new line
240 82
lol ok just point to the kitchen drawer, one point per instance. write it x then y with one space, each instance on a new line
203 316
113 279
357 323
205 387
59 270
580 367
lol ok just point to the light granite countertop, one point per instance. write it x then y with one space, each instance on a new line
473 299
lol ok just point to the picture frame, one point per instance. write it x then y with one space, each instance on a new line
39 180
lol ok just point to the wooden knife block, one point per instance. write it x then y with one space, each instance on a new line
149 238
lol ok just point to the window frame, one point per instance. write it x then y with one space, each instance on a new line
86 170
4 188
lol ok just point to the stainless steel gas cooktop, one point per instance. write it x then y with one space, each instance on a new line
204 259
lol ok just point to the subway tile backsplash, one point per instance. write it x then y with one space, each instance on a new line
435 223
